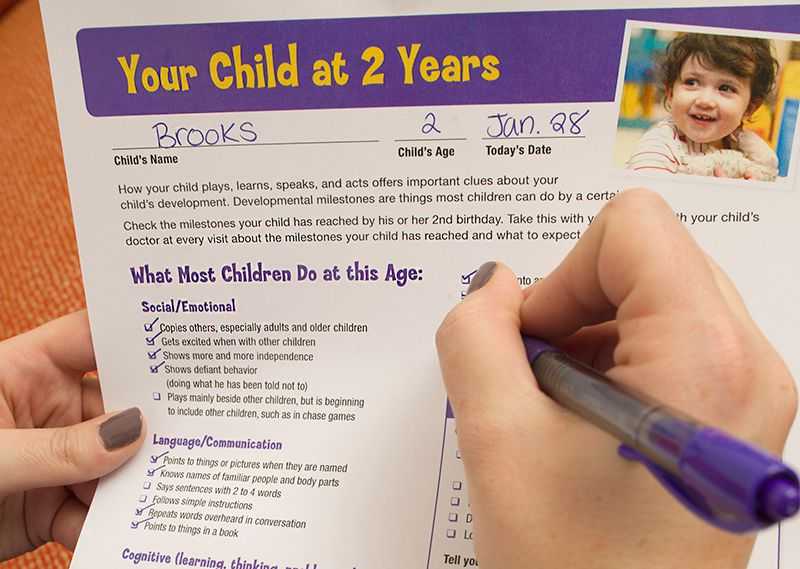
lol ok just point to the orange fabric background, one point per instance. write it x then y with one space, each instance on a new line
39 272
40 277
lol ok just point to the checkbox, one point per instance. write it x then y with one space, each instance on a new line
454 501
151 472
143 498
153 355
134 525
451 533
154 368
456 485
147 486
151 340
156 396
466 279
453 517
148 326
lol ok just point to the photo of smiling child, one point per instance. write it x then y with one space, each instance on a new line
717 108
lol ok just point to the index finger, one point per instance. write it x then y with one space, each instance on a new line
635 260
66 343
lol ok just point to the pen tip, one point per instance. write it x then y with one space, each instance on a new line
781 499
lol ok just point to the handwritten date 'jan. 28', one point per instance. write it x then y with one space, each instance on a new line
560 124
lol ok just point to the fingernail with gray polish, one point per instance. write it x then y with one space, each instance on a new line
482 276
121 429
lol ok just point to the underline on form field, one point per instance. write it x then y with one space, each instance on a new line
501 138
428 139
292 143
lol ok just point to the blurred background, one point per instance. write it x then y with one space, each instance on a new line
39 273
642 105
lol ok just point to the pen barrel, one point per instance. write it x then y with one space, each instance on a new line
727 482
658 433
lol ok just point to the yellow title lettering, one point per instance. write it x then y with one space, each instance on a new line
129 69
220 59
491 68
408 61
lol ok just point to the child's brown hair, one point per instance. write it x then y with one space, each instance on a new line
745 58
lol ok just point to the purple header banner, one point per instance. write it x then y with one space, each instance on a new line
533 57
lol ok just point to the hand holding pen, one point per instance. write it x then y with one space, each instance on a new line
638 300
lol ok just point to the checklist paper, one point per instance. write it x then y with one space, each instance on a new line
276 205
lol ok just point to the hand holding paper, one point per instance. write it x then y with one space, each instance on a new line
55 440
542 479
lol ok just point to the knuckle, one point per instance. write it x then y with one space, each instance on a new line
64 449
739 368
788 397
639 199
784 398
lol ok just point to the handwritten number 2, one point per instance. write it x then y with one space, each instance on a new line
559 122
429 125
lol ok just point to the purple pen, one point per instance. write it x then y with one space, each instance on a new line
727 482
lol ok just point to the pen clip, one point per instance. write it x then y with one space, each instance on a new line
692 500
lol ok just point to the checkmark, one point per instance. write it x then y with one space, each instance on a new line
154 369
153 355
151 340
466 279
148 326
135 524
154 459
140 511
152 471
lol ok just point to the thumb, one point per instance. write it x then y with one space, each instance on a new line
40 458
480 348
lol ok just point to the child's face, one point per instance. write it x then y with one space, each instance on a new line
708 104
